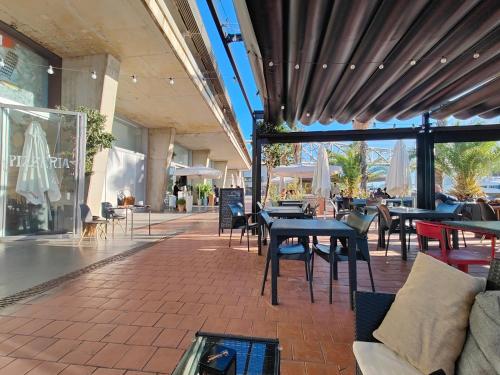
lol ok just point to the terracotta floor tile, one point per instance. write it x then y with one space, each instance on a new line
57 350
107 371
169 321
85 315
232 312
97 332
309 351
82 353
190 309
292 368
46 368
164 360
31 327
322 369
147 319
170 338
211 310
74 330
145 336
106 316
170 307
4 361
13 343
239 327
12 324
127 317
136 357
215 325
192 322
120 334
264 329
109 355
19 367
32 348
77 370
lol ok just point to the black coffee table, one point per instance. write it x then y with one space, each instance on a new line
254 356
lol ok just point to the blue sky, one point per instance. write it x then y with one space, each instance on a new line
229 21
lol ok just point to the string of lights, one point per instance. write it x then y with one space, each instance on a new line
133 77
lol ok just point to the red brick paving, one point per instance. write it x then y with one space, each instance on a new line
137 316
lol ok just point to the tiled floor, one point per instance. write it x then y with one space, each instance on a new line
138 315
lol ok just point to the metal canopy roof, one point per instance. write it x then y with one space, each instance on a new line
328 61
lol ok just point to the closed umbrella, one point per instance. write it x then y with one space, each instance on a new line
321 184
398 181
233 182
36 177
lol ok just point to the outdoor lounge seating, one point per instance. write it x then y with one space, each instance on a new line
298 251
361 223
370 310
240 220
93 226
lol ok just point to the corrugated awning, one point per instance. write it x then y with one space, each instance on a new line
342 60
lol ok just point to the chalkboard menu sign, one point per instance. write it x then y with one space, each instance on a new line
226 197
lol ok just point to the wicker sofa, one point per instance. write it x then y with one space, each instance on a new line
371 308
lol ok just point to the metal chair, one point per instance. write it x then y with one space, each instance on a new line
487 212
240 220
454 208
92 226
390 225
334 254
299 251
110 214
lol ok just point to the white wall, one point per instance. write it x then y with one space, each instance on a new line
126 170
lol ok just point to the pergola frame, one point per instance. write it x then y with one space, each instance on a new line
425 137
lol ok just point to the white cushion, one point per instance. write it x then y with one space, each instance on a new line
375 358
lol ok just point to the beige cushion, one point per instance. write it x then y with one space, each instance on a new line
427 322
374 358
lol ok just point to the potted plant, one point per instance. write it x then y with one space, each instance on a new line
181 204
203 191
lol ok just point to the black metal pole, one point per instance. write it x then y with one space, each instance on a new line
256 160
425 164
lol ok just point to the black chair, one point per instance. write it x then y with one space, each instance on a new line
299 251
240 220
487 212
92 226
370 308
452 208
334 254
110 214
391 225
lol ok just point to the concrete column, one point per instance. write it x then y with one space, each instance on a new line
222 167
160 151
199 158
79 89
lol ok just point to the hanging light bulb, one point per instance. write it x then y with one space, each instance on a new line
93 75
50 70
381 66
297 66
331 118
271 64
2 62
308 114
134 78
325 66
171 81
476 55
443 60
352 67
413 62
282 107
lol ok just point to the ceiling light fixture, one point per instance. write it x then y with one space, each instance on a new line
134 78
171 81
413 62
271 64
325 66
381 66
297 66
93 74
352 67
50 70
443 60
476 55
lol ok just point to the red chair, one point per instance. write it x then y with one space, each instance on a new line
461 258
434 231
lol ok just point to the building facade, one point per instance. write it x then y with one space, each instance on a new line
146 65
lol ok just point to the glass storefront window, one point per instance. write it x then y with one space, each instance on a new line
127 136
41 154
23 76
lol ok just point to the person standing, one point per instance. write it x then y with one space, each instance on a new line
216 193
176 190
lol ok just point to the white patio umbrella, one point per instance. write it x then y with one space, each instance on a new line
321 184
305 170
398 180
233 181
36 177
198 171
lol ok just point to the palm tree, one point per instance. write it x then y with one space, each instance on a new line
351 168
466 163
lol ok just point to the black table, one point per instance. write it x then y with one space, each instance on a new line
286 212
407 202
409 213
476 226
290 202
286 228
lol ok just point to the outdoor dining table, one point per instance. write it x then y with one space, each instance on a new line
290 202
132 209
407 202
410 213
286 228
475 226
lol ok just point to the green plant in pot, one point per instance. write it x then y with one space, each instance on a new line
181 204
204 190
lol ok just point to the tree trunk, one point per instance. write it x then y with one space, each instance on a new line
268 182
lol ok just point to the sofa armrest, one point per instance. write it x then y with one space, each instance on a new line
369 311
